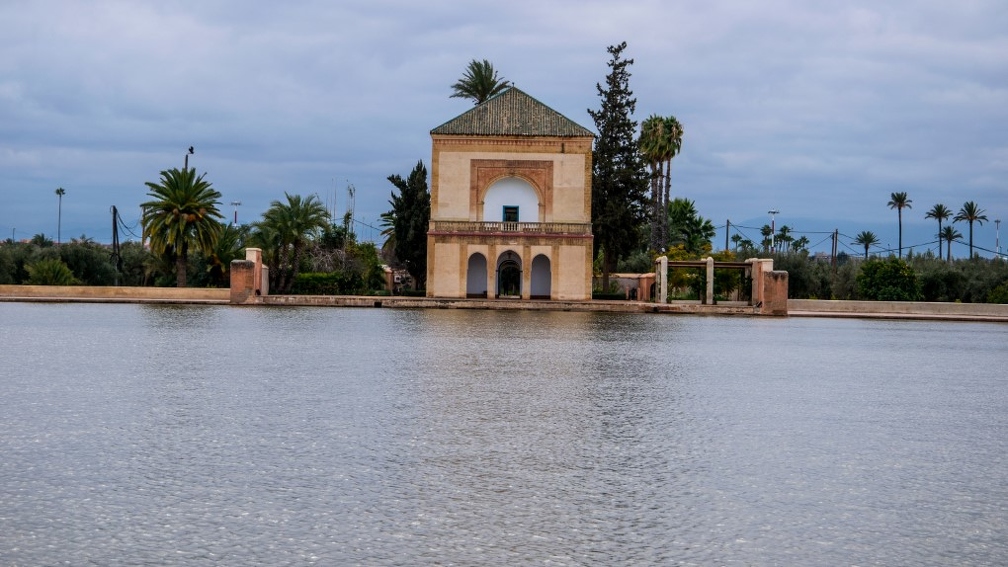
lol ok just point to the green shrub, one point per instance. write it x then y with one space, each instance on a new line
332 283
50 271
90 262
999 294
888 280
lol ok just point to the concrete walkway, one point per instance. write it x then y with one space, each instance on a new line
919 310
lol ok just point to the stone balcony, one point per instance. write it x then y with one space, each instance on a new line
511 228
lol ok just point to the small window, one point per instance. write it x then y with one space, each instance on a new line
510 213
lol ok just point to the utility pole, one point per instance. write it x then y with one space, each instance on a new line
997 236
726 231
191 151
116 250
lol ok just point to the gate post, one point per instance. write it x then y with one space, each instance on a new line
709 299
661 279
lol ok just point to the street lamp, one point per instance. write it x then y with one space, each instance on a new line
773 228
191 151
236 204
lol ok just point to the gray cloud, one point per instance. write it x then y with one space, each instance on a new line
818 110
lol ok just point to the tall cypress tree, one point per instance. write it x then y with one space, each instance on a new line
411 216
619 177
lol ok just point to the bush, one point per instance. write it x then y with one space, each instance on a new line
50 271
940 281
90 262
807 277
888 280
999 294
331 283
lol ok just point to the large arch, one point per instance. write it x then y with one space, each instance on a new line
511 195
509 275
541 284
476 276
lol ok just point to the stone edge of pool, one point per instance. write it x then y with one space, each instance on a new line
796 307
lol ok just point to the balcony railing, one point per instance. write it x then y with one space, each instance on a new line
471 227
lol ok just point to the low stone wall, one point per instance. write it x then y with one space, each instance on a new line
903 309
400 302
113 294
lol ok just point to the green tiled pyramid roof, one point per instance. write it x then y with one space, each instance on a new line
512 113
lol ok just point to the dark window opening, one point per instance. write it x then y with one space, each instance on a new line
510 213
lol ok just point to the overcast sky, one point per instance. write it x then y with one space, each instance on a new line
817 109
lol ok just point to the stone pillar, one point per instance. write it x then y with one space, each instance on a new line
775 293
526 272
242 281
661 279
492 259
759 267
709 299
254 255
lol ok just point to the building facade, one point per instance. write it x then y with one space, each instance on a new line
510 203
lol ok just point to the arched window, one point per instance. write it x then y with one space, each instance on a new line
511 200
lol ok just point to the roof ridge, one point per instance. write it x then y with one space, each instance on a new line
512 112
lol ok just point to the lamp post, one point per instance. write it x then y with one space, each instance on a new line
773 228
191 151
236 204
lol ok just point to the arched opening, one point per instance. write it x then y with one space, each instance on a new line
476 276
509 275
541 278
511 200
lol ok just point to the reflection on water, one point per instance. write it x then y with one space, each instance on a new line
191 435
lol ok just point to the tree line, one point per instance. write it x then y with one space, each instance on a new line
635 219
189 244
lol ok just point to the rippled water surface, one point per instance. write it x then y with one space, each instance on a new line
167 435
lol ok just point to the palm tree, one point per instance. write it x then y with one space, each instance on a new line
183 213
388 220
942 213
672 132
950 234
970 213
59 214
767 232
867 239
653 150
287 227
479 83
784 237
688 228
229 246
899 202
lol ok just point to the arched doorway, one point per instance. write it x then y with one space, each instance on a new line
476 276
509 275
541 277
